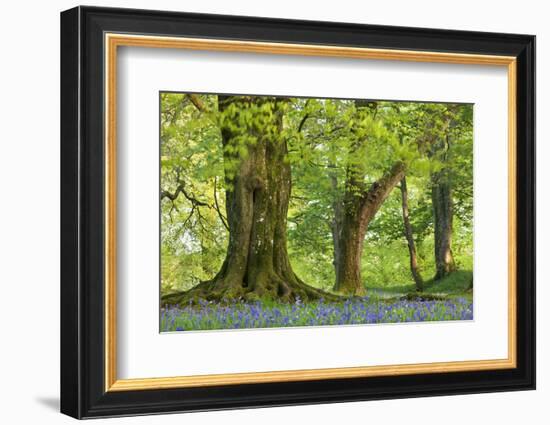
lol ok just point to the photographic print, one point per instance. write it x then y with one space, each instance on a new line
316 197
285 211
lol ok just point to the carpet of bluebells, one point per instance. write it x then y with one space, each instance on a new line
209 315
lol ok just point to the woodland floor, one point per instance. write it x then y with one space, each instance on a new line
448 299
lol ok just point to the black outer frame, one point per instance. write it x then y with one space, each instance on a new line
82 212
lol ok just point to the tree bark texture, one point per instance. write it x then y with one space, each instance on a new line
360 207
442 202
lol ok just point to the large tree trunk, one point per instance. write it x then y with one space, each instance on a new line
258 182
409 236
442 202
360 207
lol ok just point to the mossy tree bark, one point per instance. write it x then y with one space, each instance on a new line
353 214
258 181
360 206
442 202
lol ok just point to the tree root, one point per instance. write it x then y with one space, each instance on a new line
275 288
413 296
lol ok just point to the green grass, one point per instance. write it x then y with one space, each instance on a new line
457 284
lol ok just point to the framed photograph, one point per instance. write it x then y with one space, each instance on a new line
261 212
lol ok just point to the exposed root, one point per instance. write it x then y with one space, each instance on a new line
275 288
422 297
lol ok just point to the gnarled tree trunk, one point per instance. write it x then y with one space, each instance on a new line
360 207
354 213
258 181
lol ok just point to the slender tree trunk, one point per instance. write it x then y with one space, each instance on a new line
359 210
336 228
258 185
409 236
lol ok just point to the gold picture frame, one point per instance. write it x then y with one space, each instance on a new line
114 41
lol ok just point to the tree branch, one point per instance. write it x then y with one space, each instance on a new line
302 122
181 189
217 206
379 190
197 102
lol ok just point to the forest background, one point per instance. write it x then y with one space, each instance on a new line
337 151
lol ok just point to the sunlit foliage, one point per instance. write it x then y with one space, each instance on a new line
321 135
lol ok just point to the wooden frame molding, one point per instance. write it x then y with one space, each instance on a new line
111 43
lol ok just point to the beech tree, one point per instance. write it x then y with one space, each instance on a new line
360 205
258 187
362 200
448 123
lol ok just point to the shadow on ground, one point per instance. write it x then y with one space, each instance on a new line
49 402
